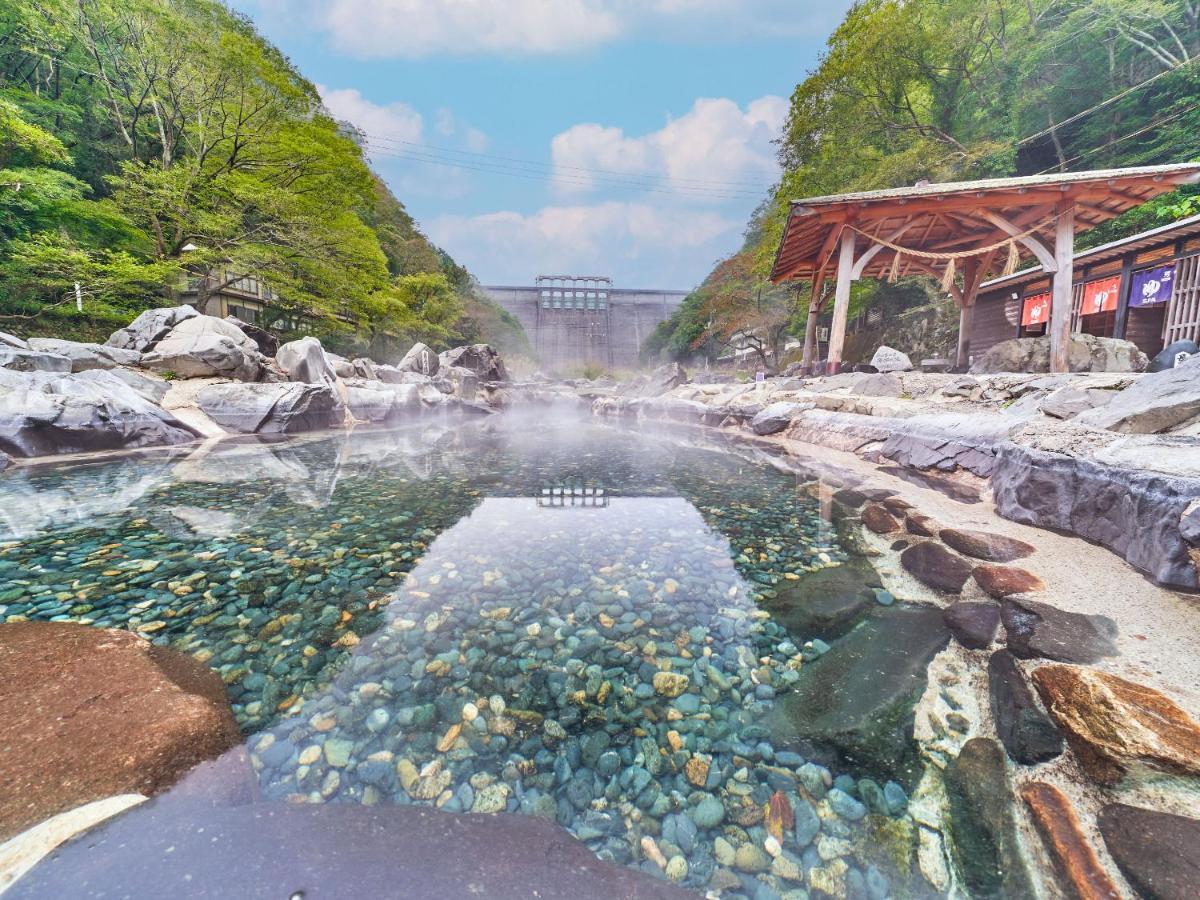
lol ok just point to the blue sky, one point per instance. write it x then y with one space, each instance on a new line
629 138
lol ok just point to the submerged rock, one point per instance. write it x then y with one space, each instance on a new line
984 545
1038 630
1158 852
1028 734
100 712
935 566
1113 724
826 603
856 702
1074 858
973 625
982 828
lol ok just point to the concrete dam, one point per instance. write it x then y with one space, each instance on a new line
578 320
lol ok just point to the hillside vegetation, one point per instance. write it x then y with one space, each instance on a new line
146 141
961 89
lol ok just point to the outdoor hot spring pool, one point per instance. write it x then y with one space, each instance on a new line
654 644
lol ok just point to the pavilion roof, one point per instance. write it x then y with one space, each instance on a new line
954 217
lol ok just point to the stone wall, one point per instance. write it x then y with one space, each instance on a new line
566 340
923 333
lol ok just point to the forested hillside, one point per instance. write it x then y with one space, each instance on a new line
959 89
143 142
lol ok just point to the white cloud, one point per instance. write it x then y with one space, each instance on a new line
715 150
393 120
417 28
644 245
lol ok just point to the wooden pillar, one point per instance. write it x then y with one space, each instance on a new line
1060 291
1122 321
966 315
841 301
810 327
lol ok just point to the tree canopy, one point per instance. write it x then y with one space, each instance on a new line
960 89
142 141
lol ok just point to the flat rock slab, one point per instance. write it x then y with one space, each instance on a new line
856 702
1112 723
879 520
273 851
973 625
1074 858
1158 852
99 712
921 525
986 546
935 566
826 603
1027 733
1154 403
1040 631
943 484
1004 581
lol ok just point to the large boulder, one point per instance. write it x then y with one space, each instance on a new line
481 359
204 347
144 332
1113 724
888 360
421 359
305 361
341 366
1154 403
87 356
1067 402
99 712
362 368
16 360
267 343
661 380
777 417
43 414
272 408
462 382
379 403
1172 355
1086 353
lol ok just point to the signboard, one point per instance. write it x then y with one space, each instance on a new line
1036 310
1100 296
1151 286
760 375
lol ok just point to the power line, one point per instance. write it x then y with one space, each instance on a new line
556 166
1123 137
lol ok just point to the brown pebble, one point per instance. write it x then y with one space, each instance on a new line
1003 581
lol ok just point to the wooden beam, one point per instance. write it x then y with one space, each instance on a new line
1039 249
1060 290
841 301
871 252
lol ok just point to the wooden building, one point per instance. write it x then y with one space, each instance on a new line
1144 288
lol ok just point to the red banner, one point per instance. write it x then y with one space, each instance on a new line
1036 310
1100 296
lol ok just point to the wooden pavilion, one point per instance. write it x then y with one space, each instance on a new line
961 233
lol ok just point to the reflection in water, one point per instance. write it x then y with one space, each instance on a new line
560 621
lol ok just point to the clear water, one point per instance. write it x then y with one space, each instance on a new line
564 620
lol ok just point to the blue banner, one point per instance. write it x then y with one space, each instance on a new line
1151 286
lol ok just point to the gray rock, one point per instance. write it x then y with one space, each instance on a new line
881 385
341 366
1135 513
374 401
1152 404
661 380
363 368
1067 402
1028 734
11 340
203 347
42 414
1158 852
32 360
1172 355
776 417
305 361
826 603
887 359
267 343
1041 631
271 408
87 356
5 460
481 359
1086 353
463 382
420 359
153 389
857 701
144 332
